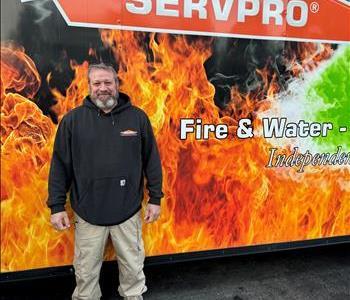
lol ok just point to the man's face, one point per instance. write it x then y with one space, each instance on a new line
103 88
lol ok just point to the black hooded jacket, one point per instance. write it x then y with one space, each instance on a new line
102 159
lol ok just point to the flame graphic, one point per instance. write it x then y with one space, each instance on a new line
217 192
307 56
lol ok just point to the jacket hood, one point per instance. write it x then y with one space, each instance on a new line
123 103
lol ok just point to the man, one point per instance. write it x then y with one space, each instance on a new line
102 151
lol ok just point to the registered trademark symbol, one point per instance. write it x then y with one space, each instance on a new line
314 7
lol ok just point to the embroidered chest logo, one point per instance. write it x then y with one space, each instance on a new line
128 132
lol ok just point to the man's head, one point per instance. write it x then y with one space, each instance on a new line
103 86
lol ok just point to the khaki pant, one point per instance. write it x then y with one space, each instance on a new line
90 241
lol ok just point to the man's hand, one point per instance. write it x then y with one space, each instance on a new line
60 221
152 213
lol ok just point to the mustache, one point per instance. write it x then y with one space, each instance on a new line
104 93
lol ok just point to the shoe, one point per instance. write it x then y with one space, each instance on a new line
134 298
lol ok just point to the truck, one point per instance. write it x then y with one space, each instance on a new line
249 102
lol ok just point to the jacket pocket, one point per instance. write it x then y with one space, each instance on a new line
107 199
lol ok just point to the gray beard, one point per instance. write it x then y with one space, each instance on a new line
107 104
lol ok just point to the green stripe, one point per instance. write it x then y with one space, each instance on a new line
332 87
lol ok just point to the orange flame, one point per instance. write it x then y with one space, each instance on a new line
308 56
24 78
217 192
27 239
75 93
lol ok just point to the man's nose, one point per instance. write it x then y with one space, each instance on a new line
103 87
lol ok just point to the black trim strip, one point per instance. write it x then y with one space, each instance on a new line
181 257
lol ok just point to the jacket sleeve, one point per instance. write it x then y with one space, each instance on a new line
60 176
151 163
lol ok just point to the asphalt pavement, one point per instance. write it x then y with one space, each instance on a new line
314 273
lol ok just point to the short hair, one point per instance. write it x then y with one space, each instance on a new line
103 66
